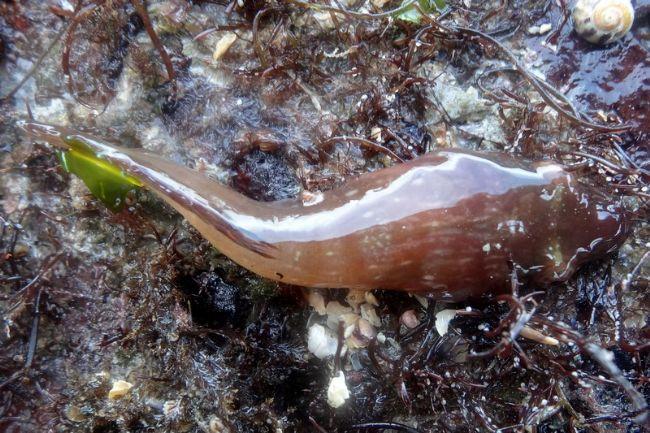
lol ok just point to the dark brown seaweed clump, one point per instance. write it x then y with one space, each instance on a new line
305 98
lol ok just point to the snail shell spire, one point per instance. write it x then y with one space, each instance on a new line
603 21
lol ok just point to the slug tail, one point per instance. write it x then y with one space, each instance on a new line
182 190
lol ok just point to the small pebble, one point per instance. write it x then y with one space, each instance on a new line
409 319
120 389
217 426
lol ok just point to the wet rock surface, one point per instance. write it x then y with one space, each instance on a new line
91 300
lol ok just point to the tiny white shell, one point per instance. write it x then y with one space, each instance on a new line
603 21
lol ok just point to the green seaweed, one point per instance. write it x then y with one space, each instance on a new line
105 181
413 15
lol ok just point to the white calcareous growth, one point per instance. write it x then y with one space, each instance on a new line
337 392
603 21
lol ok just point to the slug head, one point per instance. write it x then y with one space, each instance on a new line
583 226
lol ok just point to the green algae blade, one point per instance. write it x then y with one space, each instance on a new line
105 181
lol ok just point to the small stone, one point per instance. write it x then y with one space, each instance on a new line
349 319
324 19
334 312
74 413
349 330
216 425
533 30
409 318
120 389
20 249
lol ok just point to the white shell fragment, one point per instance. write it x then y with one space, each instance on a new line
317 301
321 342
335 312
535 335
443 317
368 312
357 321
363 333
309 198
540 30
223 45
371 299
337 392
120 389
355 298
603 21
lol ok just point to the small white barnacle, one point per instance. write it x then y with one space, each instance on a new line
603 21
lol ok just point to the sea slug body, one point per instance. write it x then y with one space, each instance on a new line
451 223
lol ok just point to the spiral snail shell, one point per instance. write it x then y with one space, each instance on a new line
603 21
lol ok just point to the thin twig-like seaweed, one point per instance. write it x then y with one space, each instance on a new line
605 360
381 426
616 168
257 46
540 86
142 12
340 10
364 142
549 96
83 13
36 66
79 16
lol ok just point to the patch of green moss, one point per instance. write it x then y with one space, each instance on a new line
261 288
